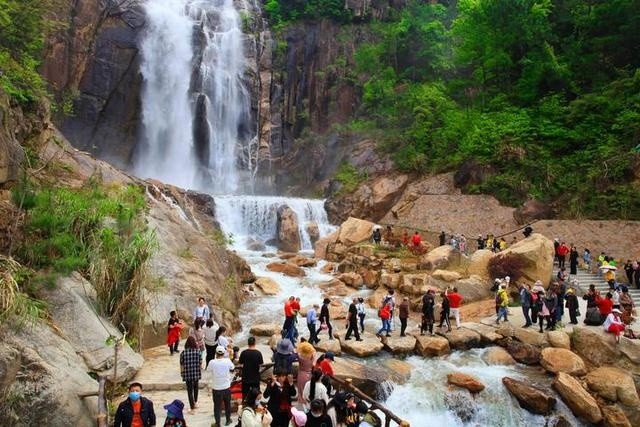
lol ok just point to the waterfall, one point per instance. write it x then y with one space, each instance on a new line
250 218
197 130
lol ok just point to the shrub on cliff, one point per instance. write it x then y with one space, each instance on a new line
503 265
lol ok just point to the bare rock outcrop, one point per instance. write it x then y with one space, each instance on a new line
581 403
288 236
557 360
529 397
537 253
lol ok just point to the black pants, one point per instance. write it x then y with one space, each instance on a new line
211 354
427 323
534 314
561 260
174 348
246 386
573 316
192 392
219 397
353 327
361 317
329 329
313 334
444 318
403 326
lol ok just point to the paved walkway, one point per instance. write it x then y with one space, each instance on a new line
160 377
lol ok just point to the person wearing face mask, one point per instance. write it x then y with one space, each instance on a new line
175 417
136 411
254 414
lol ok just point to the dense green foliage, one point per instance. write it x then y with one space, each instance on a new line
545 93
95 230
21 40
283 12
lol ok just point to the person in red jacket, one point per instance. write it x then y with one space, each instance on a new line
416 240
605 305
562 252
385 316
455 300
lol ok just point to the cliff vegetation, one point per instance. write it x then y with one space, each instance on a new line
524 99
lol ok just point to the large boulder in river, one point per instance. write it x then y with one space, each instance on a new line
399 345
354 230
288 235
326 344
530 398
557 360
267 285
523 353
465 381
442 257
497 356
536 253
614 416
265 329
559 339
581 403
614 384
367 378
286 268
351 279
369 346
320 246
462 339
432 346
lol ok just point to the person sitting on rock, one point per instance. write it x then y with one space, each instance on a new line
614 324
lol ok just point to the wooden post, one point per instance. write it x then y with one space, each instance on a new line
103 414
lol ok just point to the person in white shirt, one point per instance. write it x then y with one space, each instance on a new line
319 390
221 369
210 342
361 313
614 324
201 311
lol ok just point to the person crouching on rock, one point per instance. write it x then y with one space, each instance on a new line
613 324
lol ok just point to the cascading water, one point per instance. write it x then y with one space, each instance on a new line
196 122
250 218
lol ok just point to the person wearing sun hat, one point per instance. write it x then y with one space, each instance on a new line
284 356
298 418
571 302
614 324
175 417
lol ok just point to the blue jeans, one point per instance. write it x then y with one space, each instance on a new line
386 326
502 312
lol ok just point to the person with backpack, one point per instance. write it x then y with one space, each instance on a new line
502 303
390 299
385 316
253 413
525 303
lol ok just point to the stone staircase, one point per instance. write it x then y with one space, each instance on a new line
586 278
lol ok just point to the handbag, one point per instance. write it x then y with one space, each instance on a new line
578 312
323 326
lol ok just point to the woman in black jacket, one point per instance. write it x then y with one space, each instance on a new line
324 316
281 392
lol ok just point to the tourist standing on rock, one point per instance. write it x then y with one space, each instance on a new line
325 321
175 417
306 356
221 369
174 327
201 312
480 242
314 389
525 303
551 304
284 356
352 321
573 261
614 324
572 305
442 238
135 411
376 236
502 302
312 320
296 309
445 312
253 413
361 313
404 315
385 316
210 342
250 362
455 301
287 326
390 299
191 370
428 309
281 393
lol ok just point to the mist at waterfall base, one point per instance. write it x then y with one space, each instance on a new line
197 131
